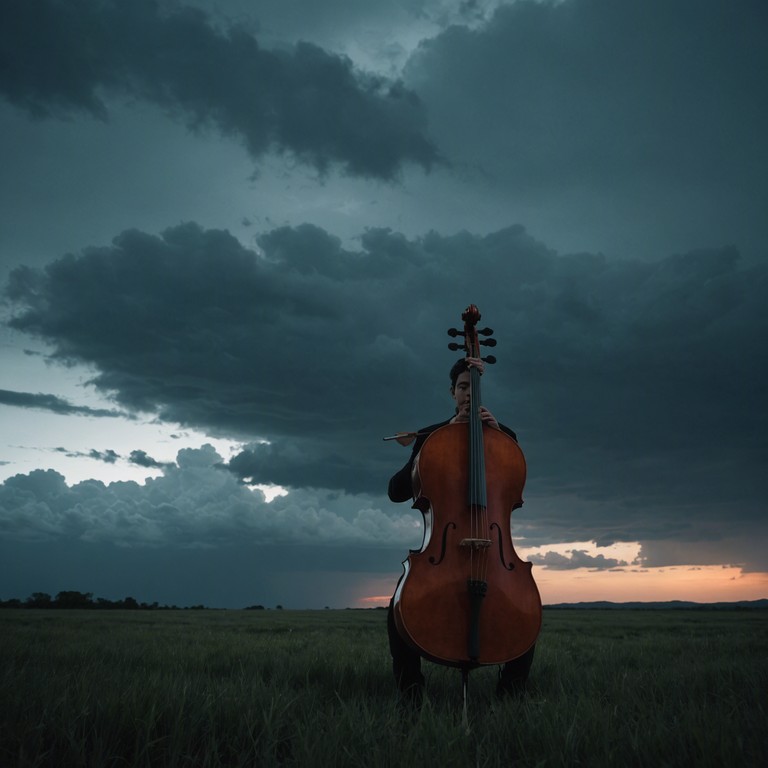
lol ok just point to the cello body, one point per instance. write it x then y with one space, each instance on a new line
466 598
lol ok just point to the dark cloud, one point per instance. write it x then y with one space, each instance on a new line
138 457
250 334
578 559
635 386
736 546
304 462
109 456
61 58
54 404
143 459
628 123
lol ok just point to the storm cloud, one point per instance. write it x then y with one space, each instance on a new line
602 200
578 559
623 378
639 123
61 58
194 503
188 526
54 404
143 459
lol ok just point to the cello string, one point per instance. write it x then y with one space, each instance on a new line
480 513
472 489
481 516
477 456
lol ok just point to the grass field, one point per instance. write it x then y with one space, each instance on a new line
314 688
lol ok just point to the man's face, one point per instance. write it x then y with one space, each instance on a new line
461 392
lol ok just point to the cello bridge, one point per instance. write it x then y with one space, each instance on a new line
475 543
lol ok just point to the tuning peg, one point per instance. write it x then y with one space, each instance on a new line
488 342
453 346
490 359
486 332
454 332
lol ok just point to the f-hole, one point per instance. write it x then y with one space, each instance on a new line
511 566
445 542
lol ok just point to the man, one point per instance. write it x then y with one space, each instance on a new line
406 662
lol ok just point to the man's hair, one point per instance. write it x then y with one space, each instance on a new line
458 368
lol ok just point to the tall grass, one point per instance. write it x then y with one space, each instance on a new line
285 688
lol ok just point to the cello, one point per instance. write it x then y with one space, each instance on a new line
465 598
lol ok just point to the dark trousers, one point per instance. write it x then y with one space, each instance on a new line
406 664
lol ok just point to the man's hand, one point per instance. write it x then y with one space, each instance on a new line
476 362
488 418
462 415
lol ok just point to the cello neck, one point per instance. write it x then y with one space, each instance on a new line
477 488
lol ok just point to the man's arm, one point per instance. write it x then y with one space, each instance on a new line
401 484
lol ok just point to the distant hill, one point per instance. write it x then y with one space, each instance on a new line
678 604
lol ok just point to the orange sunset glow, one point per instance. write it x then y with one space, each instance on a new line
700 584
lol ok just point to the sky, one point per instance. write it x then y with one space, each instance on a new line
233 236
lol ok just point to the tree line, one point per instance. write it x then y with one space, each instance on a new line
74 599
